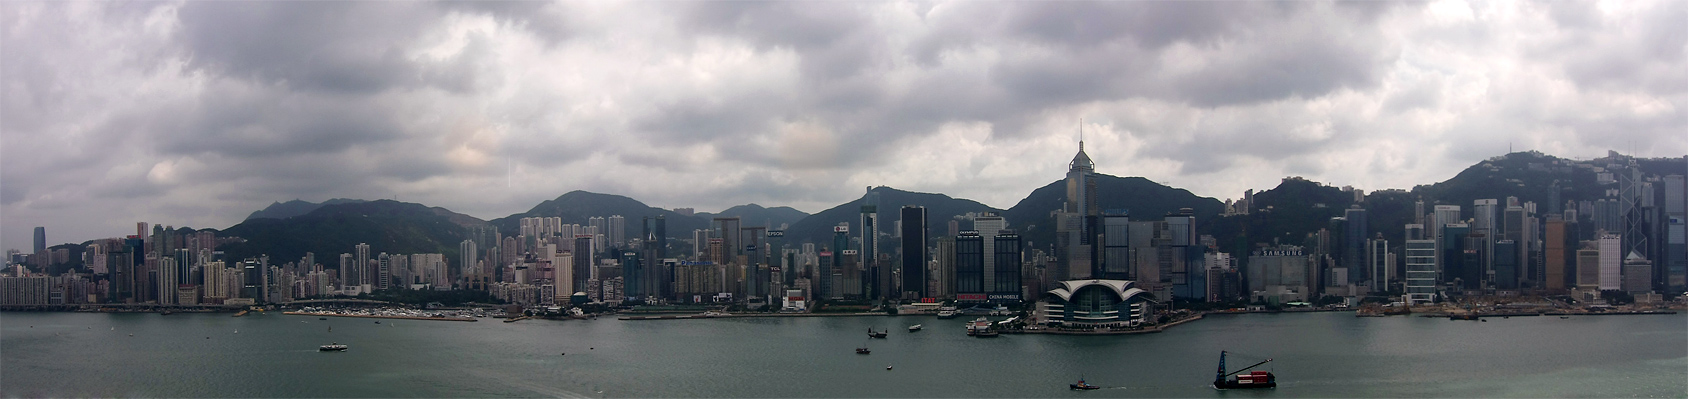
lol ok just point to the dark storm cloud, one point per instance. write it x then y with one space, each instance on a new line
243 121
314 46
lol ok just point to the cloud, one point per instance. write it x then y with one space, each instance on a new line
196 113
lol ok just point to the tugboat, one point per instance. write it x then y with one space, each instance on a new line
877 334
1252 380
334 347
915 327
1082 386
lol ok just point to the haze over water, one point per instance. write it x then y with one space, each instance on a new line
1316 355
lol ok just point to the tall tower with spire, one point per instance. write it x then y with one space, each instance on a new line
1075 224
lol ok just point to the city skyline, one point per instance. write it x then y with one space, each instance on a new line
195 114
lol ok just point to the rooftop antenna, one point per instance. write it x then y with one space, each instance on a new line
1081 134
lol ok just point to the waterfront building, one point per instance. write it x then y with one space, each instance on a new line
1555 253
914 252
1181 258
970 271
1506 265
1588 266
1096 303
1611 262
1076 221
1009 260
1638 274
944 284
1280 275
1451 251
1420 271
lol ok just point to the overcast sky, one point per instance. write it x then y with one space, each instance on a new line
198 113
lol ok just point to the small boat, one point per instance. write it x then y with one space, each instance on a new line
1462 317
377 322
863 351
887 367
877 334
334 347
1564 317
322 318
1252 380
1082 386
915 327
980 328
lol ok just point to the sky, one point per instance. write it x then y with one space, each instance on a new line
198 113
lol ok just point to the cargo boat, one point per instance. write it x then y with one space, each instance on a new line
1252 380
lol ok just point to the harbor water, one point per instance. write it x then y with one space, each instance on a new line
1315 355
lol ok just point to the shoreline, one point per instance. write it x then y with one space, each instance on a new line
740 315
378 316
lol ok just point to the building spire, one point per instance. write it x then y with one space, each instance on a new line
1081 134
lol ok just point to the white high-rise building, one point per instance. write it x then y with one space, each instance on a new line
1611 262
1421 271
616 231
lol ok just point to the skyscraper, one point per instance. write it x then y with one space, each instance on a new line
1611 262
655 248
359 275
970 274
1116 245
1075 224
616 231
987 226
1421 271
1555 254
40 244
1008 261
914 251
1354 253
876 283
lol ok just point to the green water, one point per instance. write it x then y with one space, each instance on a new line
1316 355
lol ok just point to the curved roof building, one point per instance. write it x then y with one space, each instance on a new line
1097 303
